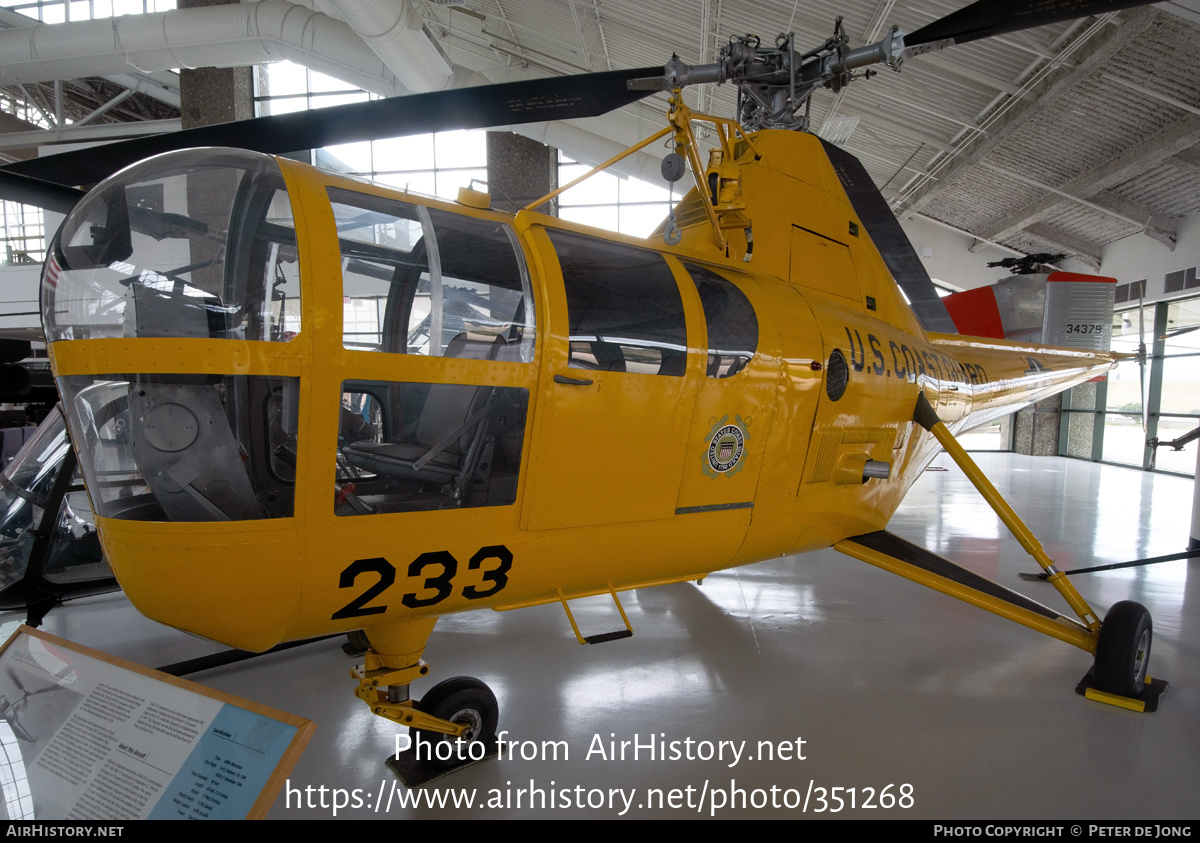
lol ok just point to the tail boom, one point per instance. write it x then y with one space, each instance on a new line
1009 376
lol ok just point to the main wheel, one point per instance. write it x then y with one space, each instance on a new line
1123 651
462 699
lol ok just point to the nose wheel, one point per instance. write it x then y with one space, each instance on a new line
453 724
1123 650
460 700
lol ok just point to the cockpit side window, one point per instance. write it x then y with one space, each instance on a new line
732 324
485 288
623 306
414 278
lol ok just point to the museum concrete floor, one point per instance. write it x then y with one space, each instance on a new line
886 683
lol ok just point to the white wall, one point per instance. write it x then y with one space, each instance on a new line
947 258
19 295
1130 259
1137 257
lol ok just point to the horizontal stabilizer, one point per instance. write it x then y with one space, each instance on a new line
1052 308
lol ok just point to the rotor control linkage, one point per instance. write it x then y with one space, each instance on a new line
927 417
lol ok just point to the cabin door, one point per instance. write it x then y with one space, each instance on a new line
615 405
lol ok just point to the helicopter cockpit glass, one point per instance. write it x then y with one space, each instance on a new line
199 243
623 306
415 278
732 324
186 447
75 554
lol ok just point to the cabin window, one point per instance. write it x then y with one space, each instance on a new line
405 447
732 325
624 310
415 278
168 447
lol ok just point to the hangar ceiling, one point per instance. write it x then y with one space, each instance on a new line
1059 139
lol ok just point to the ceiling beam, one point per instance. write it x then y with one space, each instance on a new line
1175 140
891 126
1154 225
1188 159
943 63
976 244
1150 92
1045 99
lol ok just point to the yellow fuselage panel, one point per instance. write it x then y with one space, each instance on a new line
626 479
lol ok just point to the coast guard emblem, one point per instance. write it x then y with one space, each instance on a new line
726 445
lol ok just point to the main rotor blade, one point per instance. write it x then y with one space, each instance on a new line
530 101
988 18
42 194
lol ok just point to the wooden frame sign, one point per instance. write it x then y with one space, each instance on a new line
88 736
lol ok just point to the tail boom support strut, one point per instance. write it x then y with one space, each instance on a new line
928 419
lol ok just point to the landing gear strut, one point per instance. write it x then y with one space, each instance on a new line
1121 645
453 724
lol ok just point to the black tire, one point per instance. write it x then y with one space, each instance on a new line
1123 651
461 699
357 643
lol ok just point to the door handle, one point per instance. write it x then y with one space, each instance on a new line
572 381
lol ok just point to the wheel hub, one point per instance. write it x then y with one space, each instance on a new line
1139 657
472 719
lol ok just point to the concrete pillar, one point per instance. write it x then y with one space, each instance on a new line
209 95
214 94
1036 428
520 170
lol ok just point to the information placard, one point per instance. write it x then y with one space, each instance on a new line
88 736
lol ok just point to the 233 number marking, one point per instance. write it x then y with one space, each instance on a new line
438 568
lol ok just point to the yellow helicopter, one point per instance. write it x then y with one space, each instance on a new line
305 404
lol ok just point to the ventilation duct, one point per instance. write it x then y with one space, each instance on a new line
213 36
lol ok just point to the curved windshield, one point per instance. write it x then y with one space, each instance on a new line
199 243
